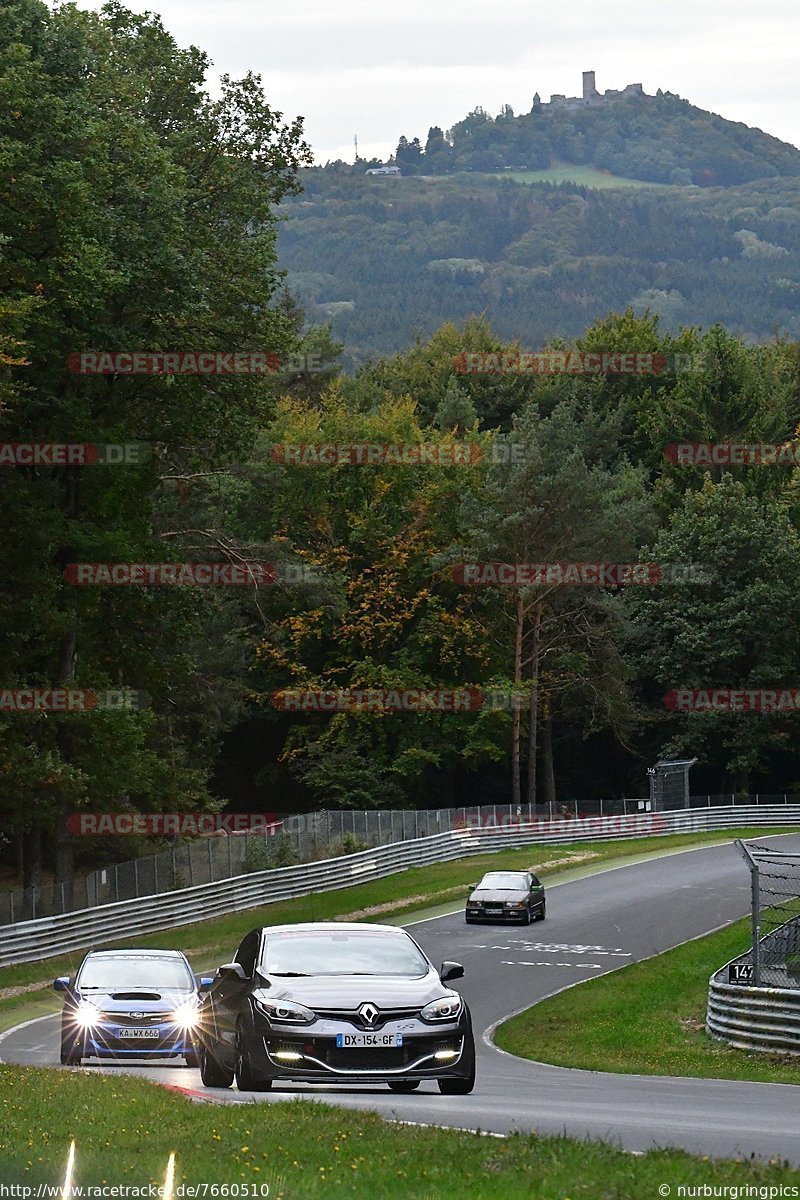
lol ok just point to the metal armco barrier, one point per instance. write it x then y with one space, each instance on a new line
751 1018
49 936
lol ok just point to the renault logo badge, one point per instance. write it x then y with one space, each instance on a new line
368 1013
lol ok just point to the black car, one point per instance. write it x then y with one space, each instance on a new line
130 1004
335 1003
506 896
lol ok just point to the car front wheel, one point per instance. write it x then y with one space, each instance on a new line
212 1072
451 1086
246 1081
71 1049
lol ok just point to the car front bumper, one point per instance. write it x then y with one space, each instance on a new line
104 1041
315 1057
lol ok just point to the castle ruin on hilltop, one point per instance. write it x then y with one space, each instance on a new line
591 97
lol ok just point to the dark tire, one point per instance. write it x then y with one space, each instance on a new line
404 1085
70 1057
528 917
543 913
456 1087
72 1048
246 1081
460 1087
212 1071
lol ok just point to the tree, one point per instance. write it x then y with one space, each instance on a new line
738 630
139 215
558 503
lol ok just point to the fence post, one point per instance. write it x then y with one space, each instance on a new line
11 898
230 857
755 906
155 874
33 903
416 822
191 864
63 899
756 799
174 867
116 881
601 806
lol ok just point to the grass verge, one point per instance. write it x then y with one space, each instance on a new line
125 1130
647 1018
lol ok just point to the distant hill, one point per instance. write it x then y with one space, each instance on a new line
382 259
658 139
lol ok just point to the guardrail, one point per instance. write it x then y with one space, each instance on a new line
766 1019
49 936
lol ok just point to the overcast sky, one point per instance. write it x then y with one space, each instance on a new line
380 70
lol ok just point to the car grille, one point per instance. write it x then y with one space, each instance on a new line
351 1016
126 1019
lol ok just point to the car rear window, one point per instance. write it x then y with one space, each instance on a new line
345 953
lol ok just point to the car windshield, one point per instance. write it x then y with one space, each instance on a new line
503 883
109 974
345 953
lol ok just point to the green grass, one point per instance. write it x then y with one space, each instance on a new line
647 1018
585 175
207 943
125 1128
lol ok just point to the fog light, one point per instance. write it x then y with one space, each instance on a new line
440 1054
287 1055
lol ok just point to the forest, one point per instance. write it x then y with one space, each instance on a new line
144 216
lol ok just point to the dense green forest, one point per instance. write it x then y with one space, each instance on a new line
660 139
142 214
385 260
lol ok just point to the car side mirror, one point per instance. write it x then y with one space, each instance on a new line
205 982
233 972
61 984
450 970
472 886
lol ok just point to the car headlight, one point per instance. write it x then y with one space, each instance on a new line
87 1014
288 1012
447 1008
187 1015
516 904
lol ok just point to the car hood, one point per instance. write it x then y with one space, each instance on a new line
144 1000
331 991
490 897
